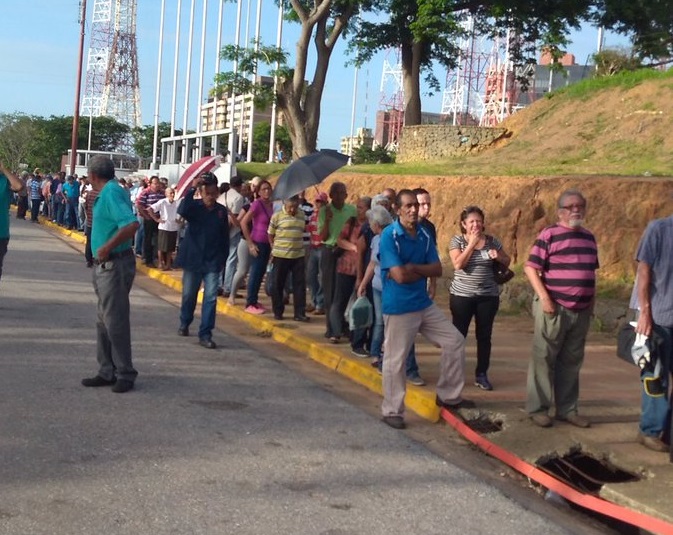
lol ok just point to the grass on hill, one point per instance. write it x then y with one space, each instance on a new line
616 125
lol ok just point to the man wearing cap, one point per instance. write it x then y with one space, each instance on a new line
202 254
115 267
8 183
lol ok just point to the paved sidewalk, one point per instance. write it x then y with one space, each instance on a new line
609 395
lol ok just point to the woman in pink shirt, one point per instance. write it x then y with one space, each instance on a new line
257 239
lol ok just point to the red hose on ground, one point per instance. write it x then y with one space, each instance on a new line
587 501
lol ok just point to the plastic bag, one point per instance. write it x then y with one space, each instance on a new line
360 313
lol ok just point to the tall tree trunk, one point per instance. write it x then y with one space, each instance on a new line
411 67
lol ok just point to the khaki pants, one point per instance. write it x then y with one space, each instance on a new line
558 354
400 333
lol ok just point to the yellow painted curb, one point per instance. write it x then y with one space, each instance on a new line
419 400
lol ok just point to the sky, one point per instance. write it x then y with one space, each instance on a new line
39 48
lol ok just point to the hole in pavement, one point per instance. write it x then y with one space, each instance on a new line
484 424
585 472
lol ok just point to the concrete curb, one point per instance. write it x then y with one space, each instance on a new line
417 400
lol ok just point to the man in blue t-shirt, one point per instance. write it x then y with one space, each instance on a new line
408 258
8 183
653 298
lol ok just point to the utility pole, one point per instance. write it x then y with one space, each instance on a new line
78 91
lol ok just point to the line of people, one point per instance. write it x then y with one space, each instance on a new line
385 248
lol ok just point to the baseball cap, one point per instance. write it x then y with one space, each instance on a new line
322 197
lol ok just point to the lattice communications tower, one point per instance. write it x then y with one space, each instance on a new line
390 116
463 97
112 82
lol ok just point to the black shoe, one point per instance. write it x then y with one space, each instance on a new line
98 381
278 317
396 422
122 385
221 293
303 319
89 264
462 404
207 343
183 331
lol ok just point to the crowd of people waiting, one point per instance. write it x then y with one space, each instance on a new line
383 247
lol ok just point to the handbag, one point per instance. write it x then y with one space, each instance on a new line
501 273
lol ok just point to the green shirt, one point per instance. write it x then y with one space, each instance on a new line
5 197
339 218
112 211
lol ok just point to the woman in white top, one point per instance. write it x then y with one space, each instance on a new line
167 210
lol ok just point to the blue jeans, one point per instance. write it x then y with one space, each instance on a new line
377 328
257 270
140 234
71 215
655 410
60 213
232 263
191 282
314 276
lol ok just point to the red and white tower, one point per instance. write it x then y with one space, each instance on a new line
390 116
112 82
463 98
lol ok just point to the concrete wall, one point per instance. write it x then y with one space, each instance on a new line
436 141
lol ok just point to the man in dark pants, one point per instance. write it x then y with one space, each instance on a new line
331 221
114 225
152 194
8 183
202 254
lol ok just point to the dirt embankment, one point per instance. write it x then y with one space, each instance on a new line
516 208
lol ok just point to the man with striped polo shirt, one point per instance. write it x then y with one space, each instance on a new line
561 269
286 236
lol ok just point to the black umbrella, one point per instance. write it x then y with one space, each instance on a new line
308 171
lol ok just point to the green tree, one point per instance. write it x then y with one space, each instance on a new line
322 23
611 61
365 155
17 132
261 134
143 138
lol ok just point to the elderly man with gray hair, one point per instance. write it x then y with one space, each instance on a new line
561 268
114 225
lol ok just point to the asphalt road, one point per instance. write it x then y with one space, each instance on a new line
209 442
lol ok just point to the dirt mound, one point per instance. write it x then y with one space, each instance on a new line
610 131
517 208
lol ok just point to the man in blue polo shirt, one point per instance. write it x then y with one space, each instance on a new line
114 225
8 183
408 258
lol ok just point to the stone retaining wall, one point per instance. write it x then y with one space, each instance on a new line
437 141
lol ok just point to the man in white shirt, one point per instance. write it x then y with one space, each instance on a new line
233 201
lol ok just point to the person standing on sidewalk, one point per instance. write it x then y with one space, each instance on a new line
408 258
202 254
111 237
561 268
149 196
89 200
331 221
653 297
8 183
286 232
233 201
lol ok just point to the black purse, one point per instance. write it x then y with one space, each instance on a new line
501 273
